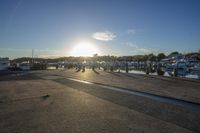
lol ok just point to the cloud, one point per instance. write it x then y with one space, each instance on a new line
104 36
50 55
135 49
143 50
130 44
131 31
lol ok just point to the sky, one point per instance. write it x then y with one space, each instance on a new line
111 27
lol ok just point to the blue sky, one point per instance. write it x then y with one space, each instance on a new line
116 27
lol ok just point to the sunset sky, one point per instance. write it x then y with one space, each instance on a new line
116 27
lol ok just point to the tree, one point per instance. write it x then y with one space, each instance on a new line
198 56
173 53
161 56
151 57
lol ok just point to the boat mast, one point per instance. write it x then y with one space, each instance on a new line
32 56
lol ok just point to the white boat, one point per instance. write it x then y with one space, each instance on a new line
195 70
4 64
24 66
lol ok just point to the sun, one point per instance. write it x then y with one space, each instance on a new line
84 49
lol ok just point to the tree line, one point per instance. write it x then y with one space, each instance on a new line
151 57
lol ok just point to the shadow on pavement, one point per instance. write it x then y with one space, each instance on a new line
18 76
78 70
95 71
115 74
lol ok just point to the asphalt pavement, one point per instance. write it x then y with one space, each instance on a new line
60 101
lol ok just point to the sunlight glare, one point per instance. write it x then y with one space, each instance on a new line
84 49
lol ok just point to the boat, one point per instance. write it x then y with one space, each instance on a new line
4 64
24 66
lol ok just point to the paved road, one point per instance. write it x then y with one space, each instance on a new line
44 101
179 88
